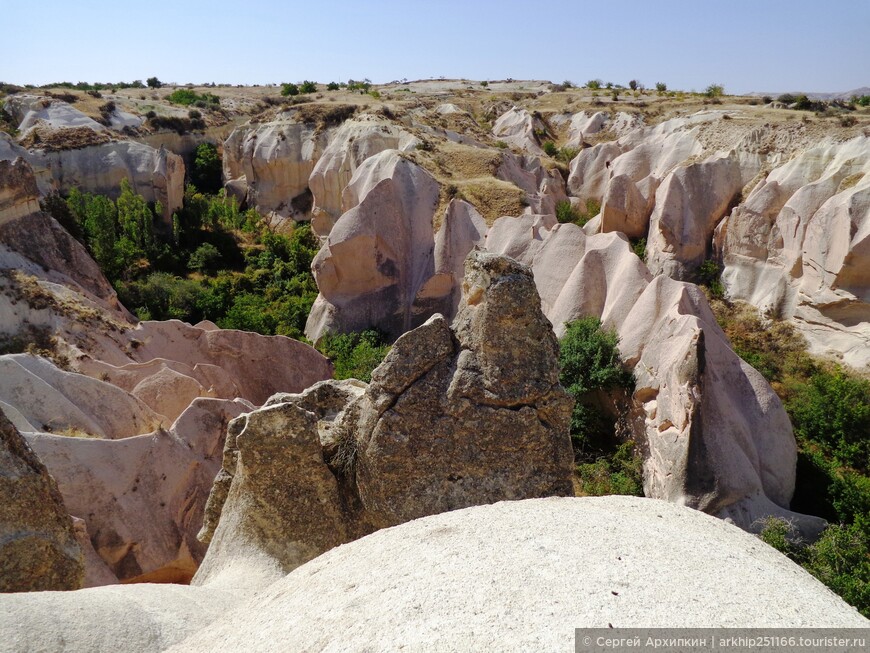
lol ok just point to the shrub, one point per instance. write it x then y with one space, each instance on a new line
187 97
593 84
714 91
484 83
661 87
550 148
840 558
153 82
639 248
589 361
709 275
633 85
832 409
289 89
786 98
355 355
621 473
332 86
207 168
308 87
205 259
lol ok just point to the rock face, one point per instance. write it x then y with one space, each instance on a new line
605 561
717 436
165 475
351 144
486 414
269 165
379 254
544 188
517 128
95 163
798 247
453 417
689 204
38 549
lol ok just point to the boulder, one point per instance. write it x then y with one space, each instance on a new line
454 416
522 575
379 254
38 548
468 415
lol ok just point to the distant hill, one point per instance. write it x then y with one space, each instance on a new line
864 90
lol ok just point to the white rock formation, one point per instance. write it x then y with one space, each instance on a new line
269 164
736 462
33 110
517 128
350 145
570 563
585 124
798 247
379 253
544 188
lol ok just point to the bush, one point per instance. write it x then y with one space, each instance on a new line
832 410
332 86
355 355
205 259
593 84
565 212
187 97
714 91
621 473
308 87
709 275
639 248
589 361
661 87
153 82
840 558
289 89
550 148
207 168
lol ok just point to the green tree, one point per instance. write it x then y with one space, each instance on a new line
289 89
308 87
207 169
205 259
153 82
589 359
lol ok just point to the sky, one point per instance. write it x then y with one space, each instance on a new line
745 45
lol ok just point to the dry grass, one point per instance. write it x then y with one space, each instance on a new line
71 138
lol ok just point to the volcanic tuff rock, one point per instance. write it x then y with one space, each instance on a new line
268 165
38 549
72 162
799 247
453 417
349 146
534 571
120 389
519 128
715 434
165 475
379 253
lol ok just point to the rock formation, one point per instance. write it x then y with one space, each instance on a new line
379 253
268 165
797 247
351 144
545 566
38 549
736 462
454 416
519 128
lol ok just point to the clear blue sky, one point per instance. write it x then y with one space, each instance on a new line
746 45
